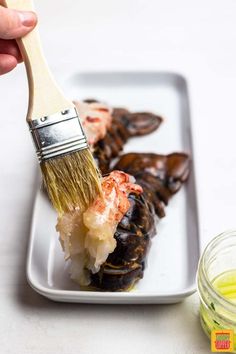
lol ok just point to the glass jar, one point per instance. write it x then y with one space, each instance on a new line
216 281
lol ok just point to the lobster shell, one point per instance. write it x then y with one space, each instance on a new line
161 177
125 125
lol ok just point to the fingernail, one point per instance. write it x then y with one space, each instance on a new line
27 18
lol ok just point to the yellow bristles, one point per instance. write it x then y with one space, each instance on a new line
72 180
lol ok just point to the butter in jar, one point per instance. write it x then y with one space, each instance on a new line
216 281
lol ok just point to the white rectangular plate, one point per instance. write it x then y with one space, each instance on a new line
172 262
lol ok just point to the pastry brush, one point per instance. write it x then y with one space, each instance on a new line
68 168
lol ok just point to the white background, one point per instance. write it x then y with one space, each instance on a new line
195 38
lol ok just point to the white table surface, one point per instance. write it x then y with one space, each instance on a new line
195 38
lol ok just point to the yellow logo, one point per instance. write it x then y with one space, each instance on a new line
222 341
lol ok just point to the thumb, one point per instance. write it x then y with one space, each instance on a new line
15 24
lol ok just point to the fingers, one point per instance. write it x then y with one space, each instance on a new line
10 47
9 55
15 24
7 63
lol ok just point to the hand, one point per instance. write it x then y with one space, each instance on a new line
13 24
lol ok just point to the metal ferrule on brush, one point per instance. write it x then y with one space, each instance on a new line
58 134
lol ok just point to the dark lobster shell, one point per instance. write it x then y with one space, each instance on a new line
126 264
124 126
161 177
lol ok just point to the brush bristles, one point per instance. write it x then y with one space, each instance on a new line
72 180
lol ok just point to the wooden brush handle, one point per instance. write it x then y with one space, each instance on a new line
45 98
